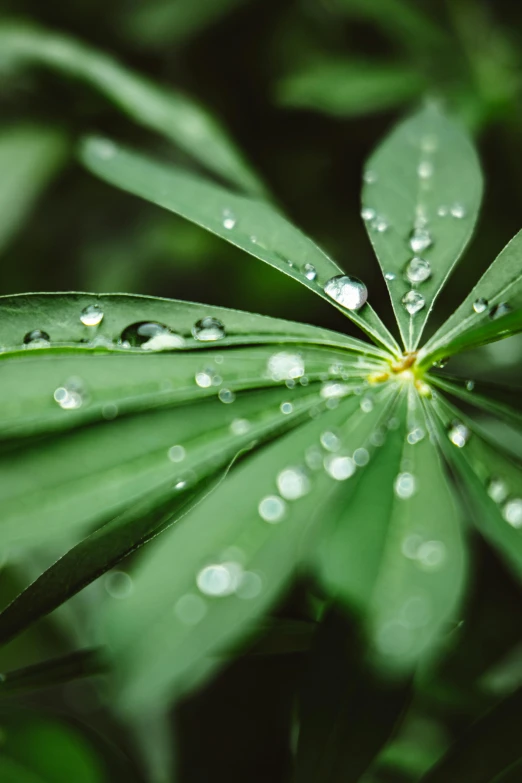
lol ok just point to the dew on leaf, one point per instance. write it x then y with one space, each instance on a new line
118 584
229 219
219 579
272 509
286 408
239 426
361 457
310 272
418 270
293 483
330 441
390 275
250 585
459 434
512 512
176 453
151 336
339 467
497 490
350 292
334 390
314 458
415 435
285 366
413 302
71 395
207 378
379 224
208 330
366 405
503 308
367 213
425 169
431 555
226 395
37 339
405 485
370 177
442 211
458 211
92 315
470 385
420 240
480 305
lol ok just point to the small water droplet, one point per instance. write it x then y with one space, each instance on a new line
208 330
458 211
405 485
425 169
377 438
499 310
480 305
418 270
470 385
334 390
390 275
92 315
71 395
367 213
415 435
361 457
293 483
497 490
512 512
177 453
286 408
413 302
219 579
442 211
207 378
370 177
314 458
330 441
310 272
285 366
379 224
431 555
250 586
118 584
272 509
229 219
350 292
366 405
459 434
151 336
109 411
420 240
37 339
226 395
339 467
190 609
240 426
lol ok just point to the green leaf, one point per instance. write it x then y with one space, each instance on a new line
166 111
254 226
395 551
200 588
420 198
400 19
494 398
82 663
30 156
348 87
491 311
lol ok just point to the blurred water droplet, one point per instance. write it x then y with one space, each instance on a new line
293 483
314 458
227 396
380 225
286 408
92 315
151 336
229 219
272 509
420 240
459 434
442 211
512 512
71 395
330 441
470 385
415 612
497 490
283 366
431 555
37 339
366 405
207 378
480 305
250 586
334 390
118 584
405 485
413 302
219 579
367 213
350 292
425 169
370 177
503 308
177 453
310 272
429 143
339 467
418 270
208 330
240 426
109 411
190 609
458 211
415 435
361 457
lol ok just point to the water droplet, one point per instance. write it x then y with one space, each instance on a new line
272 509
229 219
330 441
219 579
405 486
379 224
285 366
458 211
310 272
314 458
442 211
250 585
415 435
480 305
497 490
459 434
334 390
240 426
118 584
92 315
109 411
366 405
37 339
425 169
512 512
390 275
286 408
71 395
293 483
377 438
177 453
367 213
415 612
418 270
347 291
370 177
339 467
361 457
151 336
431 555
226 395
208 330
190 609
499 310
470 385
207 377
420 240
413 302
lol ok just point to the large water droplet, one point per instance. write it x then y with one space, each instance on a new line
418 270
92 315
151 336
480 305
405 485
229 219
284 366
208 330
339 467
37 339
512 512
503 308
293 483
350 292
497 490
335 390
459 434
420 240
413 302
310 272
272 509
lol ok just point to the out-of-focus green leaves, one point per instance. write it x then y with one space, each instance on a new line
347 87
254 226
421 195
166 111
30 155
82 663
491 311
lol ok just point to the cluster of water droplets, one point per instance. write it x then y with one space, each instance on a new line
498 310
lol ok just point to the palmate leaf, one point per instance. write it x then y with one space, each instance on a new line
491 311
166 111
395 551
254 226
494 398
421 196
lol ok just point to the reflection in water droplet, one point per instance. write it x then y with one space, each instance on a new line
405 485
118 584
458 211
418 270
92 315
361 457
226 395
239 426
229 220
497 490
190 609
339 467
37 339
499 310
367 213
512 512
350 292
431 555
151 336
177 453
208 330
459 434
272 508
293 483
310 272
480 305
413 302
285 366
420 240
